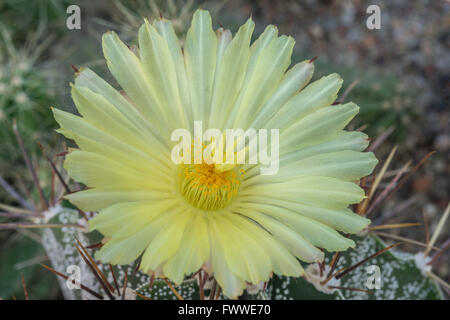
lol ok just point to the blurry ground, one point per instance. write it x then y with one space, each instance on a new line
402 72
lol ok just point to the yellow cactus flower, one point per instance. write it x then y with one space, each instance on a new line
240 225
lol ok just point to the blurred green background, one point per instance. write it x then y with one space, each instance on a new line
399 73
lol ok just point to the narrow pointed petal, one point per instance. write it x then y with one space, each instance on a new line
158 65
200 59
230 73
319 94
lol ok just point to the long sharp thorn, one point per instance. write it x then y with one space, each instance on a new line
347 270
321 268
362 128
442 282
55 170
35 226
447 291
427 228
392 236
99 279
142 296
175 292
94 265
138 265
438 230
200 286
410 173
396 210
24 288
16 209
386 191
347 91
83 214
60 177
438 254
52 189
333 264
14 215
92 292
14 194
378 177
395 226
383 170
380 139
213 290
114 278
125 283
30 167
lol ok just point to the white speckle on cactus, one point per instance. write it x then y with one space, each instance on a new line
83 223
51 212
422 263
130 294
60 247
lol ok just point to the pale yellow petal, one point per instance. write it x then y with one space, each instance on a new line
200 59
293 81
313 190
340 219
166 30
232 286
158 64
230 71
243 255
319 94
271 64
98 171
345 165
129 73
316 233
193 250
127 249
87 136
294 241
87 78
99 198
166 242
317 127
126 218
283 262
